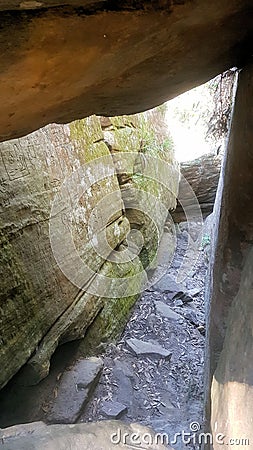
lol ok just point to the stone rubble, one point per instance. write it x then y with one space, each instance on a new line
164 393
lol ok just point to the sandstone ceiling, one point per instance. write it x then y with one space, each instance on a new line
63 60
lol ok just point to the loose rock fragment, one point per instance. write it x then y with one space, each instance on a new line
166 311
74 390
113 409
147 348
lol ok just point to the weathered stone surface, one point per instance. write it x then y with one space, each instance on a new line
124 377
149 183
166 311
60 271
85 436
60 64
137 146
203 176
232 386
74 390
167 284
229 294
115 311
34 291
113 409
34 4
147 348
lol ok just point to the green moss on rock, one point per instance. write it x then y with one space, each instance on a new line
88 130
111 320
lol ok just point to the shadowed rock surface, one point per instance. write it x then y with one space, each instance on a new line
73 208
160 390
76 386
232 386
62 61
65 60
230 337
203 176
93 436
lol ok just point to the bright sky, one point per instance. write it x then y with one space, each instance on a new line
189 135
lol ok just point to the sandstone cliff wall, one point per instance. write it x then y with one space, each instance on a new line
230 337
63 213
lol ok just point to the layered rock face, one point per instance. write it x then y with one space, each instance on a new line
202 174
64 60
66 237
230 335
232 386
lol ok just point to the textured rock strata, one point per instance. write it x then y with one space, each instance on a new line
230 288
65 252
63 60
232 387
203 176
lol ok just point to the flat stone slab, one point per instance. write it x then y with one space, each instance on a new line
113 409
139 347
166 311
106 435
75 388
168 284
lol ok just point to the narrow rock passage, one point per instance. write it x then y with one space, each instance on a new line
154 374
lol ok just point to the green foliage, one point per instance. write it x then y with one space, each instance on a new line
153 141
162 108
206 240
207 107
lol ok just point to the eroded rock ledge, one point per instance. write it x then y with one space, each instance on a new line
63 60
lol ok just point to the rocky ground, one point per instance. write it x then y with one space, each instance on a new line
154 374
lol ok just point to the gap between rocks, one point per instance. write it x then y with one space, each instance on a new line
152 375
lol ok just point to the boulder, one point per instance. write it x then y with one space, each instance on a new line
202 174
